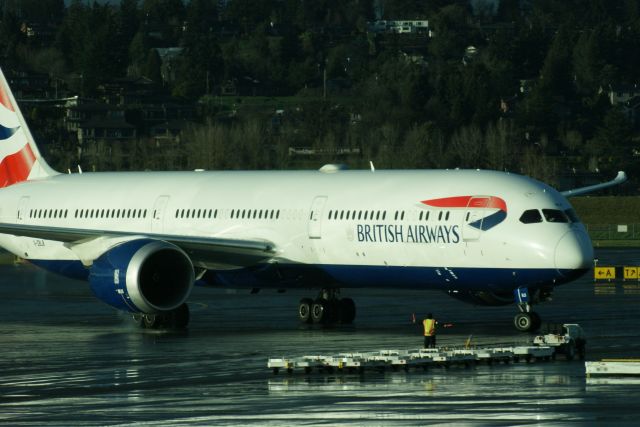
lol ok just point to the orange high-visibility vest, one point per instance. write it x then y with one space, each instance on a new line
429 327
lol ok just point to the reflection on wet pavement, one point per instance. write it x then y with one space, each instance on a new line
67 359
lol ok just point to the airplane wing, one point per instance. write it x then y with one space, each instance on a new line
204 251
619 179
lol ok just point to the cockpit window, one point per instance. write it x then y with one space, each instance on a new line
573 217
530 216
554 215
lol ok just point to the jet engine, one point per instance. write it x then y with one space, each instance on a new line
143 276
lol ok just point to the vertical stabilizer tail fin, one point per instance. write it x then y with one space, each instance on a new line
20 159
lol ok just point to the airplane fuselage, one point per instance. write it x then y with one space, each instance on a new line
403 229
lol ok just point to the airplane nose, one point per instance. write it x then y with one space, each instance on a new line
574 252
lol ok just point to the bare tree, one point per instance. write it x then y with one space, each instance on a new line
468 146
499 140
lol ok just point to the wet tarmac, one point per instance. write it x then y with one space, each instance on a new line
67 359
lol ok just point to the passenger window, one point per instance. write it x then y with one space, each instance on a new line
530 216
446 218
439 216
554 215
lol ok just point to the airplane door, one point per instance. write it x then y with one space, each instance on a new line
157 223
474 215
315 217
22 209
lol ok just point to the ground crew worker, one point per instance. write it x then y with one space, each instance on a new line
429 325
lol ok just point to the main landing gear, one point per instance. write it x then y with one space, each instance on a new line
328 308
174 319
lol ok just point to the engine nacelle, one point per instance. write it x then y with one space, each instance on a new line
143 276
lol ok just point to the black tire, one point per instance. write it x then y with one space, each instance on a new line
570 351
152 321
523 322
347 311
320 311
537 321
582 350
138 319
304 310
180 316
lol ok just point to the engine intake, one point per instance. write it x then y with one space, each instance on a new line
143 276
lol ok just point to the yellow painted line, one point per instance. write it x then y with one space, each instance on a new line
621 360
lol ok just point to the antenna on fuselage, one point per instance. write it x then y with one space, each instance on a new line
373 168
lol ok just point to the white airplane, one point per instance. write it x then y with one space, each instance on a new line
143 239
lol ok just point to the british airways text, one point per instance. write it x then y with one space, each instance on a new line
393 233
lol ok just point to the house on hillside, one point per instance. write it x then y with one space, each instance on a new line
170 56
403 26
619 93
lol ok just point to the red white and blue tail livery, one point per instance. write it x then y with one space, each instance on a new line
143 240
19 156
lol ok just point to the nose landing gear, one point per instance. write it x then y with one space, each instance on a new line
528 320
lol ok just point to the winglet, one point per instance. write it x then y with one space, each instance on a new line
619 179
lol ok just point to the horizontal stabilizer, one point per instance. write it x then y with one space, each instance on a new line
619 179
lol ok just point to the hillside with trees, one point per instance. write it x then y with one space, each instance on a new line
548 88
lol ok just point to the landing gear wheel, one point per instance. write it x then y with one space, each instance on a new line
523 322
537 322
180 317
138 319
304 310
320 311
151 321
347 311
570 351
